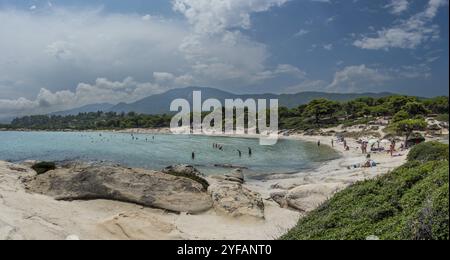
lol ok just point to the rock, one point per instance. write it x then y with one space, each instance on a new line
235 176
308 197
143 187
280 198
232 199
29 163
183 169
187 171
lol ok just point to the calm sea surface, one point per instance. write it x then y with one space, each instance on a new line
145 152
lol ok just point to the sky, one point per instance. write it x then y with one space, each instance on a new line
61 54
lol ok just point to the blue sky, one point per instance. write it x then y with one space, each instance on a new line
66 53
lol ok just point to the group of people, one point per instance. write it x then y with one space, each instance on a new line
220 147
136 138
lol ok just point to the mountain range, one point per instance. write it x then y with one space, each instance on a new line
160 103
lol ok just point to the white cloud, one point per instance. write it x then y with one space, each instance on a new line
102 91
357 78
407 34
301 33
398 6
328 47
216 16
46 54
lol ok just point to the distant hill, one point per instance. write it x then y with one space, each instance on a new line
85 109
160 103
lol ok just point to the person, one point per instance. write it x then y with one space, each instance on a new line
318 143
193 155
240 153
332 142
249 151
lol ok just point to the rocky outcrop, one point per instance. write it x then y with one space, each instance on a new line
233 199
235 176
143 187
183 169
306 198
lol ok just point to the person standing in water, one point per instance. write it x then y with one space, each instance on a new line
249 152
318 143
193 155
240 153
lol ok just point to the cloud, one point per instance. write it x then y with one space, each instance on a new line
216 16
102 91
46 54
301 33
407 34
328 47
398 6
357 78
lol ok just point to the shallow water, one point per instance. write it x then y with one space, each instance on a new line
285 157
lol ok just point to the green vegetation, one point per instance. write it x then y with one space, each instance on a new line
410 203
43 167
87 121
430 151
318 113
408 126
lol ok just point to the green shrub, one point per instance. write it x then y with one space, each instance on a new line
429 151
412 202
43 167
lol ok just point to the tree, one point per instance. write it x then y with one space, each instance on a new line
415 108
320 108
400 116
408 126
438 105
379 110
396 103
356 109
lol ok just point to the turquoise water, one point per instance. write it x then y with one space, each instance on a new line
285 157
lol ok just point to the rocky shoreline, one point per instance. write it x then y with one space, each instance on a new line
114 202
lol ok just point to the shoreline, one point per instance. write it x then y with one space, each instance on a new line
287 197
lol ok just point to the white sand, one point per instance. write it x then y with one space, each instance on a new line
30 216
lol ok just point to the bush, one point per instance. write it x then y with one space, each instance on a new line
43 167
429 151
409 203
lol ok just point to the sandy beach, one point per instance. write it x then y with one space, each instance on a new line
25 215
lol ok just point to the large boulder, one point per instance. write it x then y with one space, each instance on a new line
235 200
306 198
143 187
